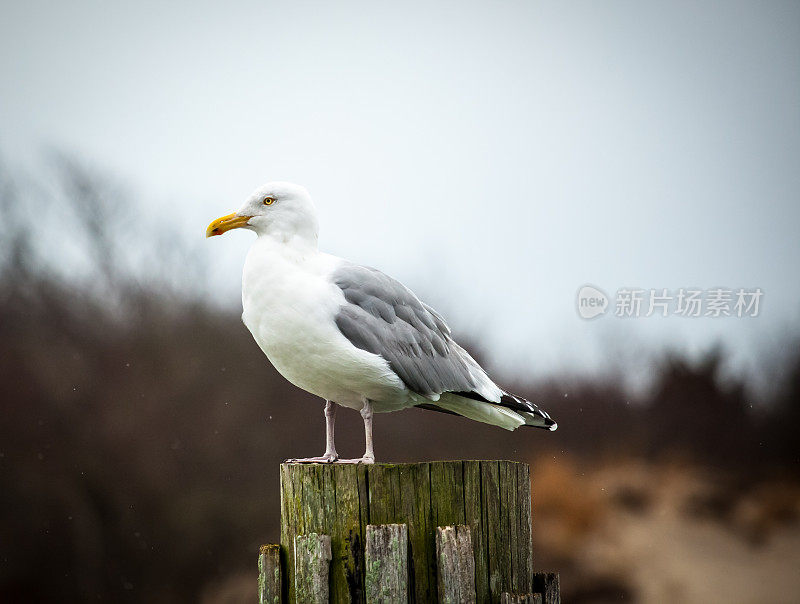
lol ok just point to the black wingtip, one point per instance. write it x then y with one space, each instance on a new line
524 406
548 424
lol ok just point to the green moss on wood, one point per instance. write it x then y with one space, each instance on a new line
269 574
491 497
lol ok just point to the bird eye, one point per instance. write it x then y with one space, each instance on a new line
268 201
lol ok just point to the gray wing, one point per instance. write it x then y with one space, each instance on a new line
384 317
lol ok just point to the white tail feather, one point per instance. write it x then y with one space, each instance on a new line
480 411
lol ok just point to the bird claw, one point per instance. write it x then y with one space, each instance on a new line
332 459
327 458
365 460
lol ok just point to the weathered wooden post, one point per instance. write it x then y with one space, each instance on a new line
269 575
386 563
455 563
492 498
312 557
549 585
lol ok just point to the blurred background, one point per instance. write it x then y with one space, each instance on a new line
495 158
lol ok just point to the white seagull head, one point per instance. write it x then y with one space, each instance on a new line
282 210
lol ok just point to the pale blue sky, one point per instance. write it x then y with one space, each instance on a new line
495 157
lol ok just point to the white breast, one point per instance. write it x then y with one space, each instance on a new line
290 307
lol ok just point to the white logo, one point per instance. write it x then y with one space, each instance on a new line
591 302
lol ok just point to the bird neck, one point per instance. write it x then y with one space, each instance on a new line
297 230
298 244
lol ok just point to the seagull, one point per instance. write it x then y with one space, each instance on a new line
351 334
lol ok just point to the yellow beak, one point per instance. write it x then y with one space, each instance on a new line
225 224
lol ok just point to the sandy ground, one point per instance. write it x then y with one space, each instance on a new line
640 527
668 558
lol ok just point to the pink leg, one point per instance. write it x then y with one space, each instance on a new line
330 455
369 454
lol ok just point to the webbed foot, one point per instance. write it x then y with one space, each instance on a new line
327 458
